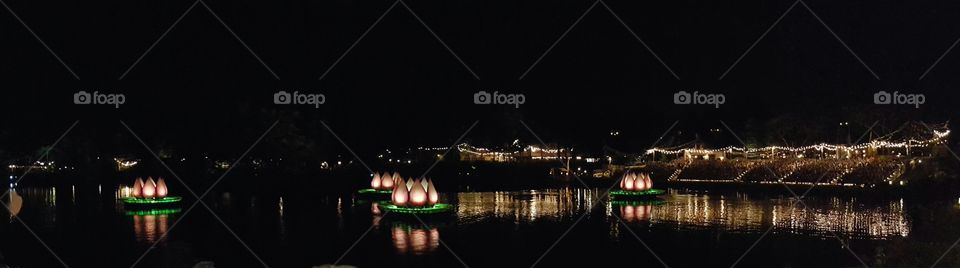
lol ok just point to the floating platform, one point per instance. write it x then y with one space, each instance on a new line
645 194
374 195
370 191
146 203
427 210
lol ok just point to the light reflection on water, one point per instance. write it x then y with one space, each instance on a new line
40 203
414 240
150 228
819 217
407 237
525 206
737 213
635 213
726 212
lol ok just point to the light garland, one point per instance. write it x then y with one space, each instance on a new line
938 138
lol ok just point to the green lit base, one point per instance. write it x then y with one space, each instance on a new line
374 191
151 212
649 193
646 202
435 209
374 195
147 202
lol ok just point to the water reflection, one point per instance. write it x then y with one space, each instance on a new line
728 212
150 227
377 214
636 213
841 216
39 203
39 197
821 217
414 240
525 206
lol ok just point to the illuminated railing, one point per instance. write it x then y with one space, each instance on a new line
938 138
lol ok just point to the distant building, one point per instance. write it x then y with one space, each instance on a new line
469 153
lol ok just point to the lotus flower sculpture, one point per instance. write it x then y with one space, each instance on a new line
382 183
138 188
149 188
415 193
150 192
417 196
636 184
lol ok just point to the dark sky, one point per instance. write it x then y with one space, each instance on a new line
400 86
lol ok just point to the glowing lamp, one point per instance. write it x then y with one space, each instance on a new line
649 181
629 182
432 195
375 183
386 182
138 188
399 196
162 188
149 188
418 196
639 184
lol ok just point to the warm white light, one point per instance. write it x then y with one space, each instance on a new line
375 183
629 182
161 188
149 188
640 183
432 195
138 188
386 182
400 196
418 195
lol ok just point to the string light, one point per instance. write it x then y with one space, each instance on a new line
938 138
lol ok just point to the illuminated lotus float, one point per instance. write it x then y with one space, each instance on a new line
636 186
150 194
415 196
381 186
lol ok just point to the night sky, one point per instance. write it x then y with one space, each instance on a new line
200 88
